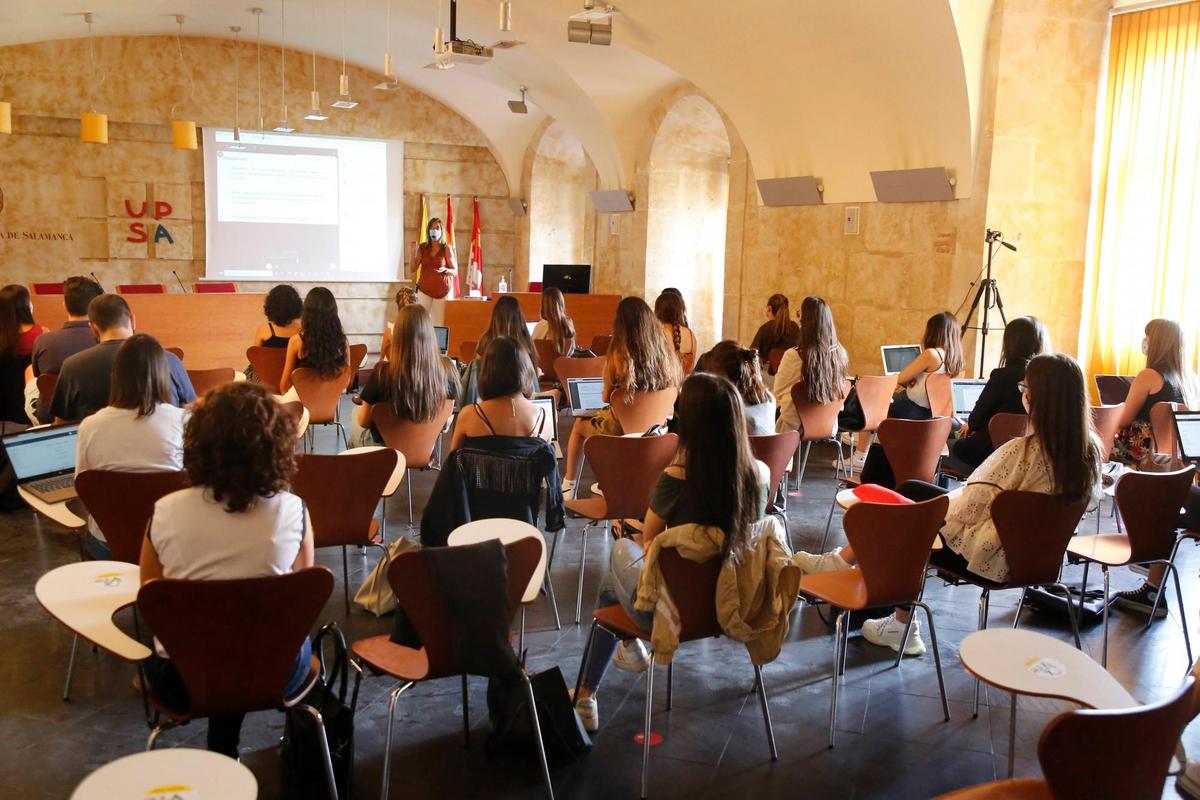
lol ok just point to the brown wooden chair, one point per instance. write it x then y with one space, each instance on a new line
299 414
639 412
141 288
693 588
1004 427
234 643
1115 754
341 493
626 469
774 359
776 451
566 367
322 397
356 354
1034 530
941 398
268 363
1162 423
45 383
205 379
600 344
1107 421
1149 502
875 396
818 423
547 355
466 351
412 579
122 504
178 351
892 544
414 440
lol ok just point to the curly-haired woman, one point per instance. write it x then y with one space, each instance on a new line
237 520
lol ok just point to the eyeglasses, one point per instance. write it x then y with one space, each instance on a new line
1022 387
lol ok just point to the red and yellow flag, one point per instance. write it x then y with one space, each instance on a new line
475 270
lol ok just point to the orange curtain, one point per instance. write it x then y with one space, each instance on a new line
1144 253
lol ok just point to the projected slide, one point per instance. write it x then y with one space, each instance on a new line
302 208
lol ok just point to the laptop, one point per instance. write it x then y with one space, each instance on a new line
443 338
898 356
1113 389
1187 434
966 395
43 460
585 397
549 430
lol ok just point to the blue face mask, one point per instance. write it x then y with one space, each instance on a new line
435 234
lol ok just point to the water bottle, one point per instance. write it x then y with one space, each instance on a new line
503 284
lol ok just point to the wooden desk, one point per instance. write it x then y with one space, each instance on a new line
213 330
593 315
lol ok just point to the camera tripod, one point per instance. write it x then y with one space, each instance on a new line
987 295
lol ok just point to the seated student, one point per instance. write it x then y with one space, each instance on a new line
52 348
320 344
405 296
18 332
780 330
237 520
504 407
714 480
282 309
415 380
741 366
1024 338
818 359
639 359
507 320
555 325
672 313
139 430
1061 456
84 380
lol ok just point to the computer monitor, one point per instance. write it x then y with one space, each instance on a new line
567 278
898 356
966 395
443 338
1187 433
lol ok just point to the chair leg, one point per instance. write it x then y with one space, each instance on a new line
1021 607
387 743
937 657
537 733
1104 651
153 737
1187 640
828 524
904 639
466 714
1072 614
521 638
548 584
1083 584
762 699
838 646
326 755
71 669
346 579
670 681
804 463
646 729
984 599
587 652
408 479
1012 734
582 561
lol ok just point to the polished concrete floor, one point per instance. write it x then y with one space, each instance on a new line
891 743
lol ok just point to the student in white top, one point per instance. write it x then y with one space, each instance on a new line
555 326
237 520
1062 456
819 361
139 430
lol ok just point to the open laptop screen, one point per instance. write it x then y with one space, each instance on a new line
586 394
898 356
42 452
1113 389
443 338
966 395
1187 428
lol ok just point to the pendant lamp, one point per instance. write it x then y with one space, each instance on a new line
183 131
344 101
284 126
389 81
93 126
315 113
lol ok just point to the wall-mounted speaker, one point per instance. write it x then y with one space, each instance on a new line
518 206
612 201
802 191
913 185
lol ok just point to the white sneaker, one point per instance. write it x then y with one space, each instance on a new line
857 460
631 656
568 486
887 631
597 490
588 712
1188 782
825 562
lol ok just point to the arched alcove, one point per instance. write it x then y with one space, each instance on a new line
561 223
688 197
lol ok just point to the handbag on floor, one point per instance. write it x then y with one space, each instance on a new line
300 751
563 735
376 595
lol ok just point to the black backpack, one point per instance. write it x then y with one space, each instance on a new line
301 753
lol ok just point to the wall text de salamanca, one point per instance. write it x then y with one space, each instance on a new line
37 235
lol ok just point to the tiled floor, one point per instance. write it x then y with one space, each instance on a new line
892 741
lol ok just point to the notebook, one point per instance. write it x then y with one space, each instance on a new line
1113 389
443 338
585 395
43 460
1187 433
898 356
966 395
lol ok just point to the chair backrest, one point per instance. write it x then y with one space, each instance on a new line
1149 503
412 579
644 410
626 469
1115 754
914 447
774 359
414 439
1162 423
1107 421
45 384
875 396
1034 529
122 503
941 398
141 288
220 287
235 642
817 420
176 351
600 344
566 367
205 379
693 588
296 410
1004 427
466 351
776 451
547 355
268 364
341 493
506 531
320 395
357 354
892 544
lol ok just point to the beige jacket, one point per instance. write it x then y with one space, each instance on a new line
755 592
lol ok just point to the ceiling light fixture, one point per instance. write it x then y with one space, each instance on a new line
183 131
314 113
93 126
5 110
389 81
519 106
344 100
237 88
258 12
505 16
284 126
443 56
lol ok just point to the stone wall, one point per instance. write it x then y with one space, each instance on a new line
561 222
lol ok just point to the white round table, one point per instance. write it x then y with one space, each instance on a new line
177 773
84 596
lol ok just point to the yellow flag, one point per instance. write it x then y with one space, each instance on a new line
422 235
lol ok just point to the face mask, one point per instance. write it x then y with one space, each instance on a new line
435 234
1145 347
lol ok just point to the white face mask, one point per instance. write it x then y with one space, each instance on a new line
1145 346
435 234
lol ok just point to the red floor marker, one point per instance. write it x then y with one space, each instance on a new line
655 739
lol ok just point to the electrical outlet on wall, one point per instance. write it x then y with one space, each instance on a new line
614 225
850 221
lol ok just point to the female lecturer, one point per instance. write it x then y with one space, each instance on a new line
438 267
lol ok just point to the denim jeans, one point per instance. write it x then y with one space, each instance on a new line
619 587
